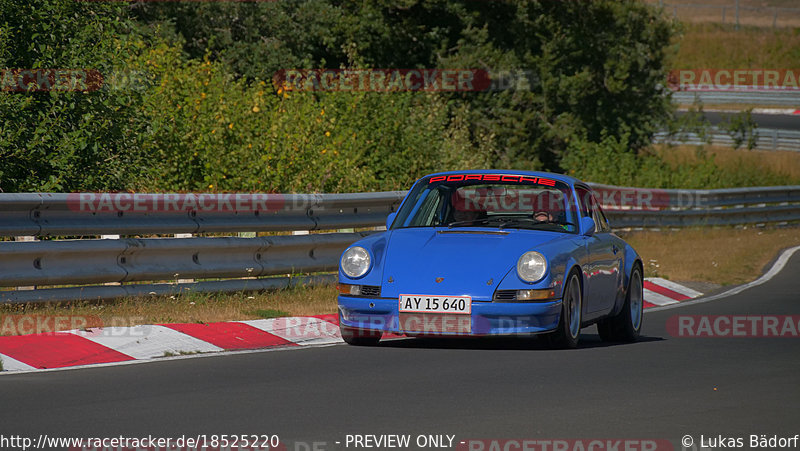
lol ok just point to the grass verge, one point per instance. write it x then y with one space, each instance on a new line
753 13
724 256
185 308
765 167
710 46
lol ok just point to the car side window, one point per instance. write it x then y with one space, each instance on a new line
429 208
598 216
584 200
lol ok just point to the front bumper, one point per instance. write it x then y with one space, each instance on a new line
487 318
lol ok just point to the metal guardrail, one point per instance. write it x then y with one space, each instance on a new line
60 262
108 292
786 98
47 214
688 218
709 201
766 139
248 263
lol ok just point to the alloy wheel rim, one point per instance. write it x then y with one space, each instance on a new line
636 301
574 305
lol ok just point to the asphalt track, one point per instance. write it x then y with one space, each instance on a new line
662 387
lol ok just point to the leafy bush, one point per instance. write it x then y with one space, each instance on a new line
209 131
594 67
611 162
64 141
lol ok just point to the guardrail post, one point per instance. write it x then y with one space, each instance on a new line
775 18
184 235
724 9
737 14
26 238
110 237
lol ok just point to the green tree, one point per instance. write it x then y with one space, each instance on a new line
64 141
590 67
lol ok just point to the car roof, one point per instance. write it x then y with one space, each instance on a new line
559 177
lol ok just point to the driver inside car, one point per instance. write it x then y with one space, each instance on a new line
543 216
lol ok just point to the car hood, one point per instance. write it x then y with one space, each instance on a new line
469 261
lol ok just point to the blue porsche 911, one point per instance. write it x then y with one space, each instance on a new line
477 253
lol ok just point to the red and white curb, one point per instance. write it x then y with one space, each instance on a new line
784 111
659 292
126 344
123 344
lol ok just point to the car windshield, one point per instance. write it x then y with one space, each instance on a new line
518 202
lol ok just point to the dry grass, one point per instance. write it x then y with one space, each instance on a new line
714 46
712 11
784 164
724 256
188 308
742 3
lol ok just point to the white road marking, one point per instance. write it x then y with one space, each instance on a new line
657 299
11 364
775 269
676 287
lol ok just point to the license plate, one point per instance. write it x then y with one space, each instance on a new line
435 323
414 303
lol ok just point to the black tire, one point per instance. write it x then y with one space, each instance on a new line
626 325
568 332
360 337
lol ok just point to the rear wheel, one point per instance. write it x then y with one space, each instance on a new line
568 331
360 337
627 324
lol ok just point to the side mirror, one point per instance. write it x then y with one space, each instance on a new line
390 220
588 226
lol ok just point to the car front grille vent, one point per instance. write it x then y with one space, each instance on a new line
505 295
370 290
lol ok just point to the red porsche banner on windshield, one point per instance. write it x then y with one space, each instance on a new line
493 178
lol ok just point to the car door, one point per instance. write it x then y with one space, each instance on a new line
603 265
605 253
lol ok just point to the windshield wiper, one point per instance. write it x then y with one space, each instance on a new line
504 222
468 222
532 221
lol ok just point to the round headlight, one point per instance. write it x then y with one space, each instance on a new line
531 266
355 262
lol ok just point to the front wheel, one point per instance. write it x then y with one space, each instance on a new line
360 337
627 324
568 331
